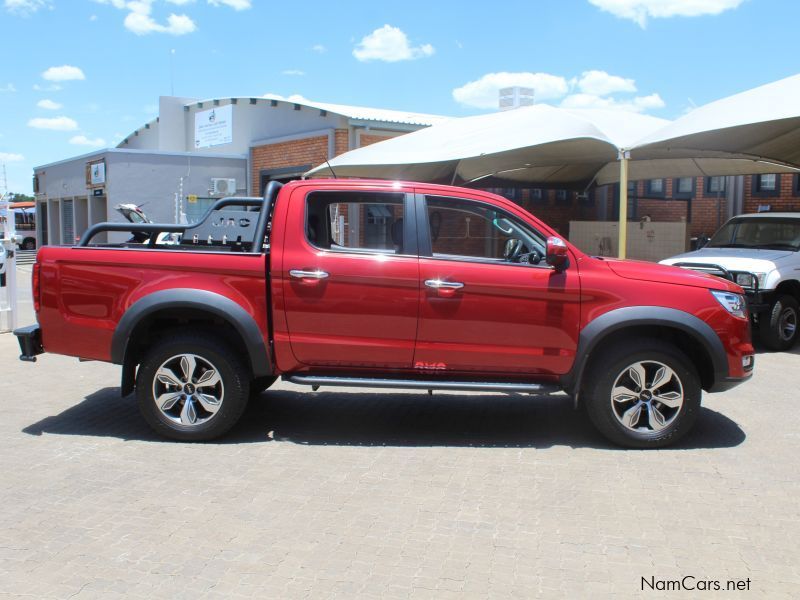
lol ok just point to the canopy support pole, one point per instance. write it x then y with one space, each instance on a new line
623 203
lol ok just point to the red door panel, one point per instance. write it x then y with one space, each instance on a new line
505 319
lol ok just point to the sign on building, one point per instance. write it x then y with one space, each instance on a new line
98 173
213 127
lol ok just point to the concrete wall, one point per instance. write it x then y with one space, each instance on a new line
646 241
147 179
152 180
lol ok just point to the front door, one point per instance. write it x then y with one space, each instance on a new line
351 279
489 302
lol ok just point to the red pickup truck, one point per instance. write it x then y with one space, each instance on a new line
385 285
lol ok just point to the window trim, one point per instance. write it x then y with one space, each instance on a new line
677 194
757 192
411 247
425 245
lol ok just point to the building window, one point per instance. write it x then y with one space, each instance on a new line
538 195
796 186
633 188
766 185
562 197
655 187
715 185
35 184
683 187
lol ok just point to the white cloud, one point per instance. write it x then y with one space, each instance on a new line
93 18
601 83
46 88
25 8
11 157
63 73
48 104
234 4
484 92
637 104
294 72
82 140
640 10
299 98
319 48
140 21
9 87
389 44
180 2
55 123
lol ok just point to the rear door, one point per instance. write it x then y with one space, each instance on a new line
351 278
489 302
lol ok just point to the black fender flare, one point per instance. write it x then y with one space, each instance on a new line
204 300
637 316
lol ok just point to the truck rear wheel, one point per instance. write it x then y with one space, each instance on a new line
642 394
778 327
191 387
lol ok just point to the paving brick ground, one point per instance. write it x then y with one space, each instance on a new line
355 494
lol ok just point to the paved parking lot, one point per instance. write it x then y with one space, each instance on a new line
356 494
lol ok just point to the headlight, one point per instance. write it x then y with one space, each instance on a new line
748 280
733 303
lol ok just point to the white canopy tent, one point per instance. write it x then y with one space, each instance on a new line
757 131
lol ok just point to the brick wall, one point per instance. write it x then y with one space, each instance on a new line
366 140
787 199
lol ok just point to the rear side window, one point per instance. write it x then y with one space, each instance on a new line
356 221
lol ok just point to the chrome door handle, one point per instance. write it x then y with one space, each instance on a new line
438 284
299 274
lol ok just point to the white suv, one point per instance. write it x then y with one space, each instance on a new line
760 253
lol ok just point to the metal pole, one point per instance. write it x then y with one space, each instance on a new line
9 246
623 203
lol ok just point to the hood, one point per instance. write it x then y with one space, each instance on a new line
734 259
647 271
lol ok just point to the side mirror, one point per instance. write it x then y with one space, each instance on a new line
557 256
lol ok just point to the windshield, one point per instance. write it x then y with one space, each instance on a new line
764 233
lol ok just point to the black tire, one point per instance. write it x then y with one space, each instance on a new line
613 368
209 355
260 385
777 328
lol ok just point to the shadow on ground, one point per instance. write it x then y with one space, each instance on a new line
385 419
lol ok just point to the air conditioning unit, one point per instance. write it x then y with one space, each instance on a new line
223 186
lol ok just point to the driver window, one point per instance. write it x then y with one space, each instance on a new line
468 229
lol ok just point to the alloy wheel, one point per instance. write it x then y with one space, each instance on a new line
647 396
188 390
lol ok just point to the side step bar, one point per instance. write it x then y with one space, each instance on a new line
464 386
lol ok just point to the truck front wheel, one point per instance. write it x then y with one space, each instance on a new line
191 387
642 394
777 328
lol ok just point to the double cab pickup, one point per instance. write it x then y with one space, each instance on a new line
385 285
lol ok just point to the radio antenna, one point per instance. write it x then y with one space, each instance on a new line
330 168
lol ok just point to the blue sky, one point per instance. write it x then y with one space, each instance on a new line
80 74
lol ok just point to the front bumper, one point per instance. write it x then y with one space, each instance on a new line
30 342
757 300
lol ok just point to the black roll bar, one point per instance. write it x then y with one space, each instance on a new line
154 229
